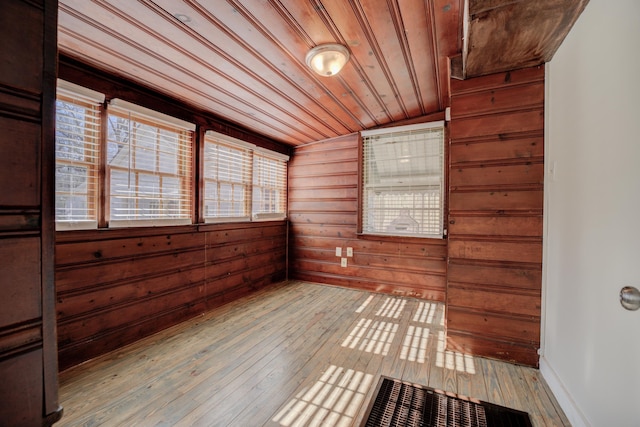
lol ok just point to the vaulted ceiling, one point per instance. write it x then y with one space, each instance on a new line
244 60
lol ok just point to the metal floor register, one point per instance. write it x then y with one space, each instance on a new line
397 403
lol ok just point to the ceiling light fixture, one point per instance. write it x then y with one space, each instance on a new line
327 59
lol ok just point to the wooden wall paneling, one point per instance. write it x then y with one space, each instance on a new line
509 275
522 302
242 260
28 354
105 271
496 200
497 124
111 292
116 286
83 301
494 150
323 214
496 178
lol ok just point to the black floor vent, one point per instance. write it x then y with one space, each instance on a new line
397 403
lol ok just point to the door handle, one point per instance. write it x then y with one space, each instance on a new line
630 298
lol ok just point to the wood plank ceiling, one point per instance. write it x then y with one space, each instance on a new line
244 60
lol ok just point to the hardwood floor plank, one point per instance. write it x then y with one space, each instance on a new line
492 381
227 365
544 401
154 360
517 375
322 377
293 354
278 364
512 394
421 353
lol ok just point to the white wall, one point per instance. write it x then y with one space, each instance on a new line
591 346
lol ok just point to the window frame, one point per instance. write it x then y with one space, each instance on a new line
73 94
242 147
194 181
212 137
281 160
185 153
443 178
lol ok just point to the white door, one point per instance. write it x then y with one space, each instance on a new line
591 345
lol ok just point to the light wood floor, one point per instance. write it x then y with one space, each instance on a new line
294 354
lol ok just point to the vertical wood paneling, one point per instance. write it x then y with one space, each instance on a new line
495 215
323 210
116 286
28 355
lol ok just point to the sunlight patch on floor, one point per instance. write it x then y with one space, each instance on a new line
414 347
453 360
425 313
333 400
392 307
364 304
373 336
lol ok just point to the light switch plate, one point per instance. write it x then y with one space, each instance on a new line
343 262
349 251
338 251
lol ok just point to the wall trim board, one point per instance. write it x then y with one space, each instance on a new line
562 395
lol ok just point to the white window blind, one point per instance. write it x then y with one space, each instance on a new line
403 181
269 186
149 167
77 154
227 179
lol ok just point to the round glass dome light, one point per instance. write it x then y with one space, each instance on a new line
327 59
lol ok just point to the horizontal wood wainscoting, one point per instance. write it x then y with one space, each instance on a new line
116 286
495 215
323 213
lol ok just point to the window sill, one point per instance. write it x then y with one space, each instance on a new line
395 238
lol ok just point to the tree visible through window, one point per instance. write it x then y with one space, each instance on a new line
403 181
149 168
131 166
77 153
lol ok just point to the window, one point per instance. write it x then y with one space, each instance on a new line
241 181
77 153
227 179
149 166
119 165
403 181
269 186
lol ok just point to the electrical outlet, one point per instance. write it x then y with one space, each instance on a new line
338 251
343 262
350 252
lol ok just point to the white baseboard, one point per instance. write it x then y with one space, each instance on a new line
568 405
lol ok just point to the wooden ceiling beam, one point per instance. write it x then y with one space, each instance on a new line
504 35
